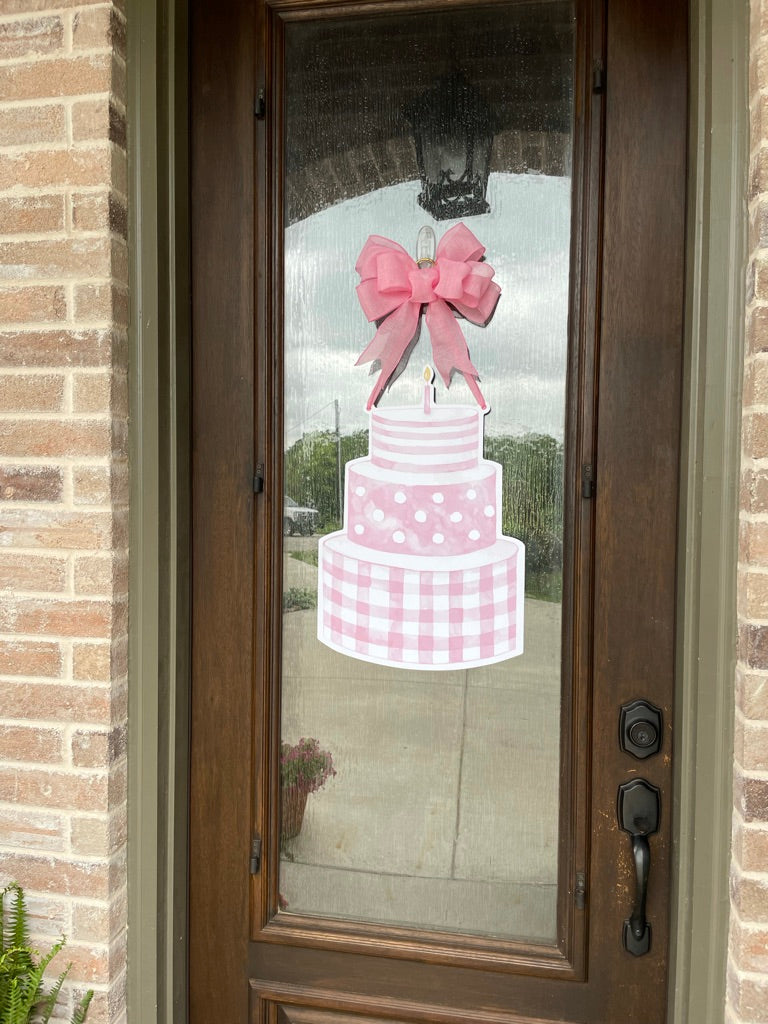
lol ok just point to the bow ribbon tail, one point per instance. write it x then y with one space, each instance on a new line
449 348
389 344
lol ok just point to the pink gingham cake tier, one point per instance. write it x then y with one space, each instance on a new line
408 612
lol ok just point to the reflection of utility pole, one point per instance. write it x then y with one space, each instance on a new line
338 453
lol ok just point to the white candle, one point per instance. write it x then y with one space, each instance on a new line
429 391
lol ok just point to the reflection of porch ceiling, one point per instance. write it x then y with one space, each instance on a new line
349 80
354 171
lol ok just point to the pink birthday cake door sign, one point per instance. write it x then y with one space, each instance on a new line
420 576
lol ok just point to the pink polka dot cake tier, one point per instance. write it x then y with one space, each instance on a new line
420 575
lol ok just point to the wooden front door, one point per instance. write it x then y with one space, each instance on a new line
398 811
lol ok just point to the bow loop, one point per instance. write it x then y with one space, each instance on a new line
452 277
458 243
392 285
393 270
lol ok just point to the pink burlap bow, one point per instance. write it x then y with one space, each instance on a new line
392 285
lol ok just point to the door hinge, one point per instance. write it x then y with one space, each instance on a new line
587 481
255 862
580 891
260 105
598 77
258 479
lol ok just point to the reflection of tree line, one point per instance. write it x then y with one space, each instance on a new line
531 496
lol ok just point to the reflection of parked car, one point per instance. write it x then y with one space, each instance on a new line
297 518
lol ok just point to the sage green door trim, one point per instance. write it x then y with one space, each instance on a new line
706 618
159 623
159 512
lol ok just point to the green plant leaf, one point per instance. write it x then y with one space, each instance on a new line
82 1008
14 1004
34 983
17 916
49 1003
22 996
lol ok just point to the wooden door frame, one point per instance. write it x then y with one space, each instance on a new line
158 185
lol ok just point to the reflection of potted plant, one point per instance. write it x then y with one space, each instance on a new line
22 997
304 768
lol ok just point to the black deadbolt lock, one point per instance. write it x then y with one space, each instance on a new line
640 727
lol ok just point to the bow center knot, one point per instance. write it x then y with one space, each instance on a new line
423 283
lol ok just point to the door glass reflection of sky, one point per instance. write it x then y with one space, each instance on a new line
521 355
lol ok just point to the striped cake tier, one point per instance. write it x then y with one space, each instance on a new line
451 514
414 613
447 438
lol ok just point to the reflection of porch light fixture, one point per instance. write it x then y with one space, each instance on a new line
453 132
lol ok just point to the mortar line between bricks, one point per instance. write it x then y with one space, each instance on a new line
51 101
751 975
753 721
63 683
60 235
69 811
54 146
61 12
77 639
18 191
51 189
97 727
57 595
61 768
87 461
752 926
70 325
68 595
32 59
96 817
54 417
8 284
45 506
41 371
35 59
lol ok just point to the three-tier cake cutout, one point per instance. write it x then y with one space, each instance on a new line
420 576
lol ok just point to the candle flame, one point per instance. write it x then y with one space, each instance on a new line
428 374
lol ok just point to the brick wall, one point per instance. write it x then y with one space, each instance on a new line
63 479
747 992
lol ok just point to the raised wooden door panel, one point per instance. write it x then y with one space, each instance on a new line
282 1012
287 942
301 1015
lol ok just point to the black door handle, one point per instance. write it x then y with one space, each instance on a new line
637 923
638 811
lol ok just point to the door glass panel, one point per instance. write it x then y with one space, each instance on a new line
425 794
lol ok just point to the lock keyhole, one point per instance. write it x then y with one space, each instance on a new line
640 728
643 734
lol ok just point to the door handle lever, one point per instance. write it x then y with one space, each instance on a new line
638 926
638 810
